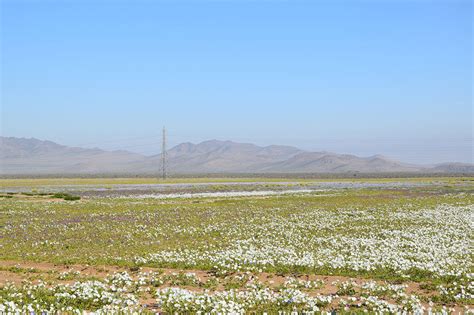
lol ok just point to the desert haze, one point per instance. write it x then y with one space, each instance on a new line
33 156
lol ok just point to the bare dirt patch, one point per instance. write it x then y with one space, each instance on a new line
16 271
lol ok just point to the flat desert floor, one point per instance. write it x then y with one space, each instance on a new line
237 245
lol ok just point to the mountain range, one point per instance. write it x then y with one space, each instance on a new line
21 156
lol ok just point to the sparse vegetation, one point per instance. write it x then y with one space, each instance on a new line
65 196
372 244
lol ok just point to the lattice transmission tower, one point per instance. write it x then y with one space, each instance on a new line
164 156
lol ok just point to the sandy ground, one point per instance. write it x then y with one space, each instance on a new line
145 189
34 271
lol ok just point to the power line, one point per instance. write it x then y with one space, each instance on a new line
115 141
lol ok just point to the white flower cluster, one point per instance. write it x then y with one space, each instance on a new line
296 283
433 240
119 281
227 194
121 293
463 289
101 297
237 302
373 288
65 275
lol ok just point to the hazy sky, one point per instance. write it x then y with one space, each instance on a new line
361 77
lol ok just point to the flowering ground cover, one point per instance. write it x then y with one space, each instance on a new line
103 182
376 249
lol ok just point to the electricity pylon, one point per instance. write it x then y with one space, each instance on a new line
163 155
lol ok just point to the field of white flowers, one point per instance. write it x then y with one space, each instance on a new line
184 292
381 250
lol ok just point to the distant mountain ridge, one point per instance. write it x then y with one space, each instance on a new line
226 156
33 156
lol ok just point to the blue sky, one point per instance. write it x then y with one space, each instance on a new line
361 77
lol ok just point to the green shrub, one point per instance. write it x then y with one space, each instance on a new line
71 198
65 196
